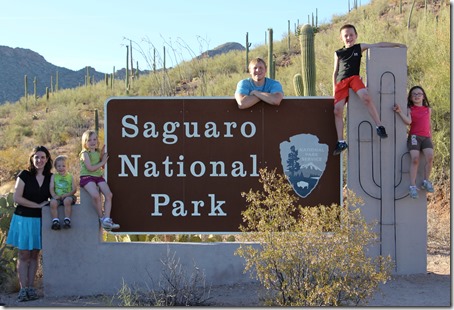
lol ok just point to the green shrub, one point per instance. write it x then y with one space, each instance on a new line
316 257
7 254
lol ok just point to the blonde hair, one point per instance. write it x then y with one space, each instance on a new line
85 136
256 61
60 158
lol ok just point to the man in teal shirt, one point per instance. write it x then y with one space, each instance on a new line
258 87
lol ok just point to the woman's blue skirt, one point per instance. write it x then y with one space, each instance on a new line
25 233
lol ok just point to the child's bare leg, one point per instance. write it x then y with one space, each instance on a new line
53 208
92 189
107 198
367 100
67 203
429 155
414 154
339 118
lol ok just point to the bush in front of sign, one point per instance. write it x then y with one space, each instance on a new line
309 256
177 286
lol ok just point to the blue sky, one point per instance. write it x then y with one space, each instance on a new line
74 34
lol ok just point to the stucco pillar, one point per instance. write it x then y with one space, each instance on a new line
378 169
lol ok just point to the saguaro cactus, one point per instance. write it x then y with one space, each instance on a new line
87 76
306 36
298 84
248 45
56 81
271 64
112 78
25 86
35 85
164 56
96 121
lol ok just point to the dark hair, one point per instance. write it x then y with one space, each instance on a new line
47 167
348 26
425 101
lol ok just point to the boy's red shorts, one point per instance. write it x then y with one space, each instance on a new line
341 89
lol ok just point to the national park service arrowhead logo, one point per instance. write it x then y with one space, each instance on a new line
303 161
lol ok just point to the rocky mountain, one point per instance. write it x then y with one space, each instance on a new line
222 49
311 170
16 63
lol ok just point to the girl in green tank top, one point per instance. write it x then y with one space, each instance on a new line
92 162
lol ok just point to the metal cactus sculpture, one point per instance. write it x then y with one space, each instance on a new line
306 36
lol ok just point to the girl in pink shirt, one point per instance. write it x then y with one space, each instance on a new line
419 136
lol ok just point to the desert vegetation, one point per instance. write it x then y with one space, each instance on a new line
316 258
176 286
59 120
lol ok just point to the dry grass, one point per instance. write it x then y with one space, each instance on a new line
439 220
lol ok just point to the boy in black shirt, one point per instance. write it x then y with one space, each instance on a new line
347 62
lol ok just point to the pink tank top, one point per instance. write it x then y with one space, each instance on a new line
420 121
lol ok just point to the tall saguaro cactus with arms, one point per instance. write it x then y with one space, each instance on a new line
306 36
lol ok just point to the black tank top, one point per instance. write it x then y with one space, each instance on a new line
349 62
33 192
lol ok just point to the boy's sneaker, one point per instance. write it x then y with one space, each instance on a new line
427 186
413 192
66 223
55 225
381 132
108 224
340 146
31 293
22 296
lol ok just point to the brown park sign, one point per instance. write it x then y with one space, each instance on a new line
180 164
